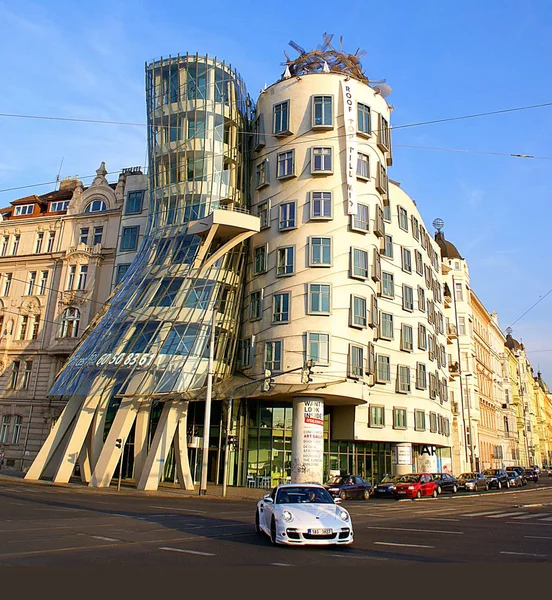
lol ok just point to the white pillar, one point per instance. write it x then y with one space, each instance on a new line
402 458
307 446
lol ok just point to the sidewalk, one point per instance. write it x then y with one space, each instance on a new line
166 490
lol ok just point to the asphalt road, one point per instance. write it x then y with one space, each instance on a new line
43 525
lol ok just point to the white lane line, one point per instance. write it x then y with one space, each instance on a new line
187 551
280 565
524 554
441 519
361 557
505 514
16 503
530 516
547 519
170 509
402 545
537 537
107 539
417 530
482 514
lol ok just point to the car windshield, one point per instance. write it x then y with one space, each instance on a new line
337 480
467 476
390 479
490 473
409 479
437 476
303 495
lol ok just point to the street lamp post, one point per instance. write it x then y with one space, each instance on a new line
468 397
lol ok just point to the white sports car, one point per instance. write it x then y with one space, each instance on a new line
300 514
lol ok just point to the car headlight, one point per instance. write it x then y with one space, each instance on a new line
287 516
343 515
410 487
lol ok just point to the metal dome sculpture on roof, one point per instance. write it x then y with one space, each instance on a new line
326 59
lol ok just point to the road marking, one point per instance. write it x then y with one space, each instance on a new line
547 519
417 530
347 556
537 537
505 514
403 545
531 516
169 508
107 539
482 514
280 565
441 519
524 554
187 551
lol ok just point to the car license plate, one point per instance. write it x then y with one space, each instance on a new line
401 492
320 531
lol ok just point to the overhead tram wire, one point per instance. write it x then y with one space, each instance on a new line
531 307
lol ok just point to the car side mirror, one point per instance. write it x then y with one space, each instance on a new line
337 500
268 499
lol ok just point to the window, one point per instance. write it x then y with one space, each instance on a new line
43 283
288 212
286 164
386 326
403 379
23 209
196 128
403 218
382 183
387 285
419 262
273 355
388 246
5 242
399 418
31 283
121 272
384 137
5 428
318 348
322 112
70 321
280 307
374 314
421 299
23 329
27 375
95 206
359 263
17 429
260 260
356 361
320 252
360 221
462 325
386 211
379 222
261 174
36 327
245 352
263 212
98 234
38 245
363 119
383 373
363 166
319 298
83 273
281 118
51 240
419 420
12 384
433 422
321 161
358 312
408 298
59 206
377 416
458 291
406 260
407 339
431 346
15 246
129 239
321 205
134 203
255 308
285 264
83 236
7 284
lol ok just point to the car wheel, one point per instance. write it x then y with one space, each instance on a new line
418 495
486 487
435 493
367 494
439 490
507 484
454 489
258 529
499 485
273 532
343 495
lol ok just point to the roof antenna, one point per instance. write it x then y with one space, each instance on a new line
59 172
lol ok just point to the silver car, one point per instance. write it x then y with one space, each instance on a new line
472 482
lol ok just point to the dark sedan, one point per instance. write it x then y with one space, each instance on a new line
520 471
349 486
531 475
445 483
497 478
473 482
516 480
386 486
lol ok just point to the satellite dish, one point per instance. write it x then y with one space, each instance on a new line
438 224
384 89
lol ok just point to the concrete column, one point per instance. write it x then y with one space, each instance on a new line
141 438
181 450
307 444
402 458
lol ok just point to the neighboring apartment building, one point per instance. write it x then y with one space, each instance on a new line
57 253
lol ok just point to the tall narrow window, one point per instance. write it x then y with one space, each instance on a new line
51 240
285 264
36 326
419 420
23 328
43 283
399 418
263 212
462 325
387 285
386 326
408 298
260 261
31 283
356 361
403 218
27 375
286 164
322 111
359 263
363 119
458 291
376 416
281 118
273 355
71 277
98 234
83 236
70 321
388 246
4 431
15 246
407 340
287 215
129 238
261 174
363 166
39 241
321 161
360 221
14 374
406 260
358 311
7 284
421 299
383 372
280 307
17 429
318 348
320 252
5 243
255 306
403 379
83 274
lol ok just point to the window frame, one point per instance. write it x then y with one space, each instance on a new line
406 265
402 215
390 322
387 278
323 203
364 274
322 362
366 113
418 412
354 315
260 269
279 321
323 126
285 250
279 163
313 264
321 293
401 423
269 366
379 410
356 224
407 298
255 300
404 384
137 238
359 174
407 340
383 375
355 371
131 202
284 128
289 203
323 157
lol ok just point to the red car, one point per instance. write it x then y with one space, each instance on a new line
415 485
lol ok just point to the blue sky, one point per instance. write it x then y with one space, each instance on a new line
86 60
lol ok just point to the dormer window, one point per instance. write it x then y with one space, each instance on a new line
23 209
95 206
59 206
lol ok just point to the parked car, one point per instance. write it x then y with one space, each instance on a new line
415 485
516 480
497 478
473 482
445 483
531 475
349 486
298 515
519 471
386 486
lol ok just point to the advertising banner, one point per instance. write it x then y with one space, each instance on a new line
350 119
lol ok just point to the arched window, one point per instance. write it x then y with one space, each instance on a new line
70 322
95 206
